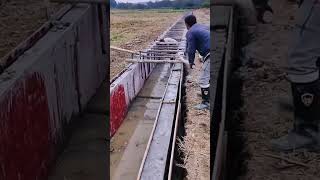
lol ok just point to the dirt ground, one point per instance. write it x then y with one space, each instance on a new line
18 20
196 143
135 30
263 84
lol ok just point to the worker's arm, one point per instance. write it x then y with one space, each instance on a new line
191 49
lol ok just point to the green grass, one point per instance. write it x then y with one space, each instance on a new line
117 38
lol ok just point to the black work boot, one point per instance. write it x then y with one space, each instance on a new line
285 104
305 134
205 100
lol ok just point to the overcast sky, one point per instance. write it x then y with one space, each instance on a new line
134 1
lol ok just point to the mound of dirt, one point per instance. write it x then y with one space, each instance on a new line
18 20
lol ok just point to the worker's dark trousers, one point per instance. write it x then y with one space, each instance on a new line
305 48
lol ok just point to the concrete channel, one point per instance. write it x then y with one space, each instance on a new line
143 141
225 49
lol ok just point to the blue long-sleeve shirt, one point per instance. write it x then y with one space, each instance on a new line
198 38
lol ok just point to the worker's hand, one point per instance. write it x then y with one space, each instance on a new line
191 66
183 60
200 58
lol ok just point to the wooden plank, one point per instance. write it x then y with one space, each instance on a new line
123 50
167 43
153 56
151 61
166 51
166 48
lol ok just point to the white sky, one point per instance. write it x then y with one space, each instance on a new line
134 1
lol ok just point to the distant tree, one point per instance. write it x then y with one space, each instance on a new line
113 3
140 6
151 4
178 4
206 4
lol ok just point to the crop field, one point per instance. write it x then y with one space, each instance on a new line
135 30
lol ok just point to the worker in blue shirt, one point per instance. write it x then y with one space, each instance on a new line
198 39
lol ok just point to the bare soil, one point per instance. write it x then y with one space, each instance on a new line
18 20
135 30
196 143
264 84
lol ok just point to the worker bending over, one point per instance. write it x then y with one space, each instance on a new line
198 39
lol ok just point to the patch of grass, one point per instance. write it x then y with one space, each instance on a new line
117 38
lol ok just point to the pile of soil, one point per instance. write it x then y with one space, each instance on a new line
264 83
18 20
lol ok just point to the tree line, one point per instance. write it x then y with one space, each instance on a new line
176 4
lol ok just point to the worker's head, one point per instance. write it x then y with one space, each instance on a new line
190 20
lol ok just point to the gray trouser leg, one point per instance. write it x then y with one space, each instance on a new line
305 48
204 80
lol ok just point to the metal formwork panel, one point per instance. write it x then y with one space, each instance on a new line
155 164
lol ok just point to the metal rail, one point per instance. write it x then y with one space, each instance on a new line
169 106
178 116
151 61
155 160
165 127
219 168
152 132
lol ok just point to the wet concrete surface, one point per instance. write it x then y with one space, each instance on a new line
129 143
99 103
85 156
156 83
157 157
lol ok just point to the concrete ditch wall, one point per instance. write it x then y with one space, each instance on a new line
224 34
47 86
124 89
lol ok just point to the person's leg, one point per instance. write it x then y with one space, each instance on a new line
204 82
303 73
305 132
305 48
